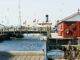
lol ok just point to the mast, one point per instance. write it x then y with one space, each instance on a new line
19 7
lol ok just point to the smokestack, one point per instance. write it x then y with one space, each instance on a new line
47 17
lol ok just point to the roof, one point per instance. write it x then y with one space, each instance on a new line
73 17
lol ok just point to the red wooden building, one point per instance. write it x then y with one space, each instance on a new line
70 26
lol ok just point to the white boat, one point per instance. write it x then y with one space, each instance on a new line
55 54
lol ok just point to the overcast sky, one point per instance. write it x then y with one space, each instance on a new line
36 9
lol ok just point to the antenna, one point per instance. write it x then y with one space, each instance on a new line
7 16
19 7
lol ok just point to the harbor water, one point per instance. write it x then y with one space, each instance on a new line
30 47
30 42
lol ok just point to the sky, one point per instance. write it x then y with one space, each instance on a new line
36 9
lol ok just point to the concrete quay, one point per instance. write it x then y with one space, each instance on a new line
22 55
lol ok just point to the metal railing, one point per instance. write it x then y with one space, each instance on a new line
23 29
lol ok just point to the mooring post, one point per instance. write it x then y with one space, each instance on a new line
40 29
48 32
1 31
20 29
14 30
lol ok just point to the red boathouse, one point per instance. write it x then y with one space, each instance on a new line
70 26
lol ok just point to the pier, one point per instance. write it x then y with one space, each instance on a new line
15 31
